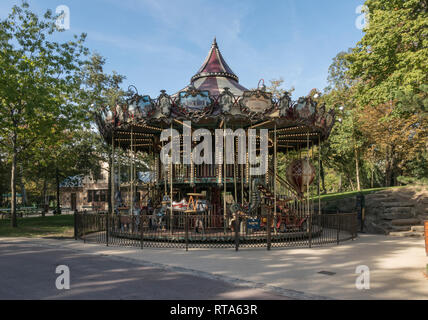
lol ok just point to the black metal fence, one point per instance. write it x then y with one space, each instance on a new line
195 231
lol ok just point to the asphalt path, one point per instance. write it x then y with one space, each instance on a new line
27 271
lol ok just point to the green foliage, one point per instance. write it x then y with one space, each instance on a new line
40 85
393 53
379 92
276 87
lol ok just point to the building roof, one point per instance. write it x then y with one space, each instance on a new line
215 74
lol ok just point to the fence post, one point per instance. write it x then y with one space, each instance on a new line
141 231
186 230
268 225
310 231
237 227
338 228
107 228
84 227
75 224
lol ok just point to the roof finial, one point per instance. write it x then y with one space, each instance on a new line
214 42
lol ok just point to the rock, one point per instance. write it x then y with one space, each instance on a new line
376 195
375 211
398 204
398 209
400 228
343 205
374 203
393 215
405 222
407 234
417 229
371 227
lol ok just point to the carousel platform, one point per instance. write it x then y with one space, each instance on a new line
215 236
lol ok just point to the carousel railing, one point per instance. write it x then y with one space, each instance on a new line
194 230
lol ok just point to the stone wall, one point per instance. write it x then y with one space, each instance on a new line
389 210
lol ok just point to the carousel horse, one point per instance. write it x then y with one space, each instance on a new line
238 210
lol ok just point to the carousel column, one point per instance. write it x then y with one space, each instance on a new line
242 177
119 178
164 172
275 173
319 174
224 180
235 173
171 213
242 184
309 213
131 178
307 180
247 175
112 191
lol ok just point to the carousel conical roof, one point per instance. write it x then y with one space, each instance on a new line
215 74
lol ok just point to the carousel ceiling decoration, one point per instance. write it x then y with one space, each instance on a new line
213 95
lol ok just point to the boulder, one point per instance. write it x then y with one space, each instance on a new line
397 204
417 228
405 222
400 228
371 227
395 215
407 234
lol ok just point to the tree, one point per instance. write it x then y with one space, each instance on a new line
393 53
342 151
398 140
276 88
390 70
39 84
103 90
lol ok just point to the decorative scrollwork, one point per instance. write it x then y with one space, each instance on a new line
164 103
284 105
305 108
195 103
256 103
226 101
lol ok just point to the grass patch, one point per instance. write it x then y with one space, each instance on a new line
52 226
342 195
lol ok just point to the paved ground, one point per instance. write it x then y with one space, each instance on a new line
28 272
396 267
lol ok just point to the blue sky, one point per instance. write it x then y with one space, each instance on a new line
160 44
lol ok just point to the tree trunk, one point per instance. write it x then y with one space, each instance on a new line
44 196
13 186
322 178
357 169
58 203
387 168
22 186
351 183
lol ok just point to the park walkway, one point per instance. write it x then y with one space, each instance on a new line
396 266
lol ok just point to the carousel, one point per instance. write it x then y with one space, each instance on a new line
215 200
